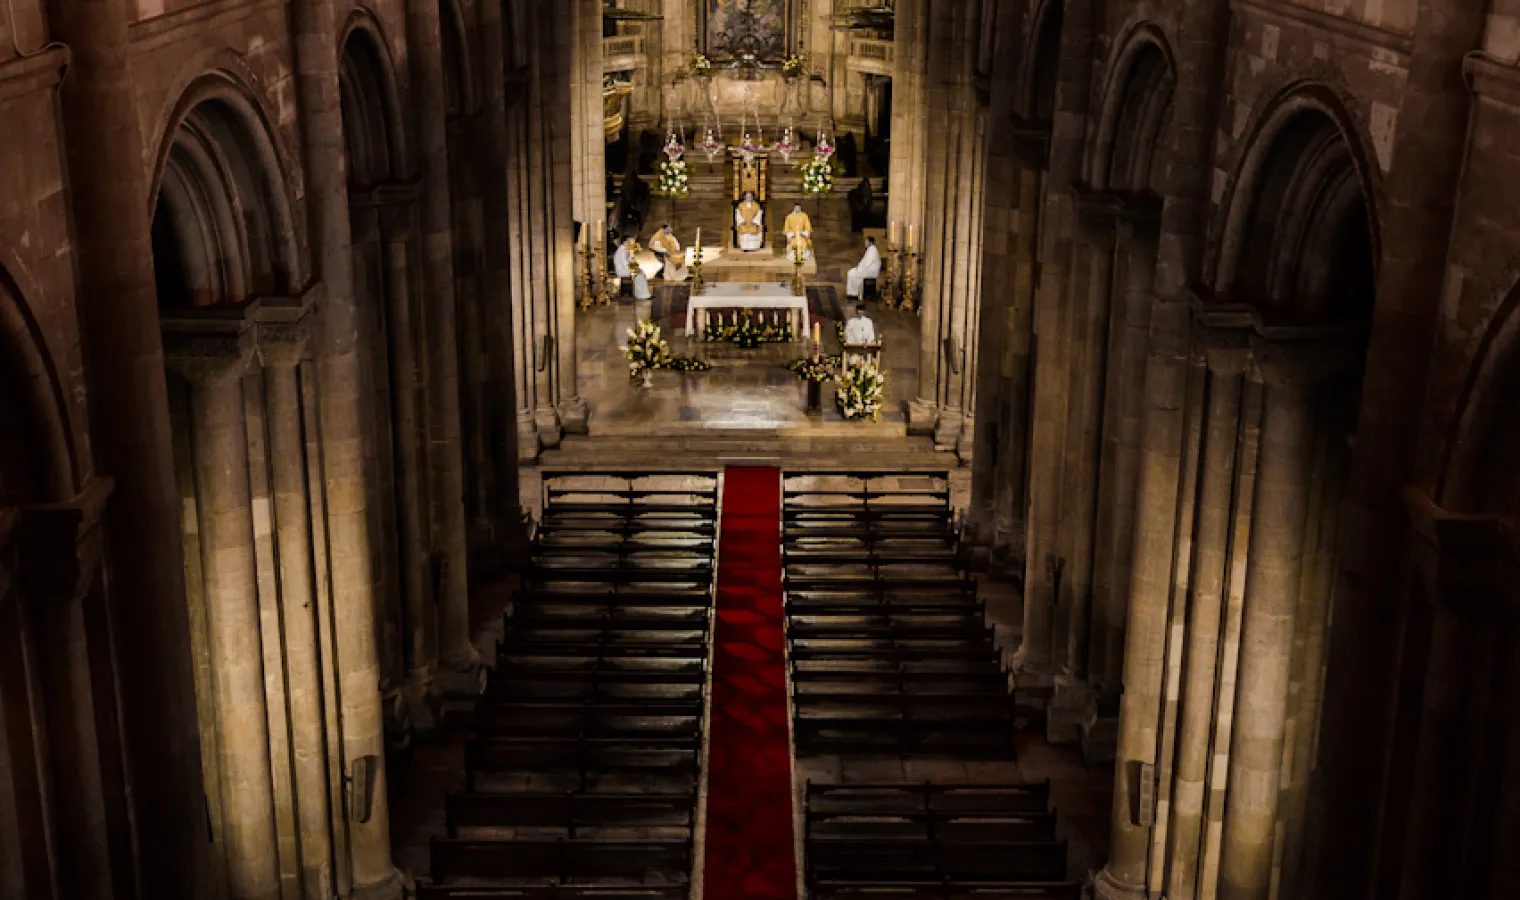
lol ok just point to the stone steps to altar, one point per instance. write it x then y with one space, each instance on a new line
819 446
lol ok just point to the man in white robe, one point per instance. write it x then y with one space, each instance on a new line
749 222
868 267
622 261
860 330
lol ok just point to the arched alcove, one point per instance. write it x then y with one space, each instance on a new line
222 228
1134 116
1045 66
1299 244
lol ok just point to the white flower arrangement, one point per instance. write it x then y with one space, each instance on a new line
793 65
645 350
701 65
818 176
860 391
675 178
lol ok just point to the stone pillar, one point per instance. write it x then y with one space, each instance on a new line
559 227
281 348
1048 418
1218 777
588 134
421 615
445 444
342 462
500 402
213 362
1120 455
1361 687
1087 359
905 189
132 440
1466 574
1228 356
525 338
1149 598
1273 578
57 560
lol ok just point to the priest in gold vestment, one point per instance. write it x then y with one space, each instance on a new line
749 222
799 233
667 247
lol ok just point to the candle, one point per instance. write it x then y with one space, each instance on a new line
892 233
910 237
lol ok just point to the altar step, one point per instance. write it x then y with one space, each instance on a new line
812 447
785 185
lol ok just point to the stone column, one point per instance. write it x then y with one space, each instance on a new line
1416 202
905 189
524 338
421 614
1463 574
213 362
559 227
132 440
1149 598
445 444
1120 455
1228 356
501 392
1087 359
1218 777
342 461
1272 591
588 140
282 346
58 563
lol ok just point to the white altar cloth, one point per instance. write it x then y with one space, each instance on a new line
737 295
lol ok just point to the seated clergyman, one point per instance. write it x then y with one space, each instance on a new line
749 222
868 267
859 331
799 233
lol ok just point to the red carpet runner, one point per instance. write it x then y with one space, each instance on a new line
750 851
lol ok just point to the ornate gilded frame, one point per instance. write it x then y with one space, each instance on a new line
705 42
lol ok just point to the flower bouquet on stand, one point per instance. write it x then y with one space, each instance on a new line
645 350
675 179
673 148
710 146
818 176
785 146
701 66
860 391
794 65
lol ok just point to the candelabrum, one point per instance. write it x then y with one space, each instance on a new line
797 288
603 296
886 285
696 269
909 280
588 293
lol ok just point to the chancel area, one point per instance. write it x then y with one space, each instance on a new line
759 449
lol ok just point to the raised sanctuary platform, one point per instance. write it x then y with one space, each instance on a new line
728 265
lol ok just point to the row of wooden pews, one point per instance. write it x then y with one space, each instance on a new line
891 655
581 779
890 651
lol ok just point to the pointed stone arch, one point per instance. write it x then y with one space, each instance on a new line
374 133
37 454
1299 237
1137 101
223 228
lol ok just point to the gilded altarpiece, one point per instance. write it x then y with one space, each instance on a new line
728 29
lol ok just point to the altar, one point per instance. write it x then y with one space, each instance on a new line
738 296
725 266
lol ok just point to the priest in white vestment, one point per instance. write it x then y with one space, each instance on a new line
859 330
868 267
749 222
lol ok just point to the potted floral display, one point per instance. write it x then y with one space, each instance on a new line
674 178
701 66
793 65
818 176
860 391
645 350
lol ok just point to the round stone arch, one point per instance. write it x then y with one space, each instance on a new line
223 228
38 462
1299 227
374 133
1137 100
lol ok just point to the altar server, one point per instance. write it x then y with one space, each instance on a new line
799 232
859 330
622 260
868 267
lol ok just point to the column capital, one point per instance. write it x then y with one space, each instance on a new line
59 545
1226 335
1300 360
1468 564
211 343
284 329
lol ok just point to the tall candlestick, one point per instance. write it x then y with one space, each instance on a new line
910 236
